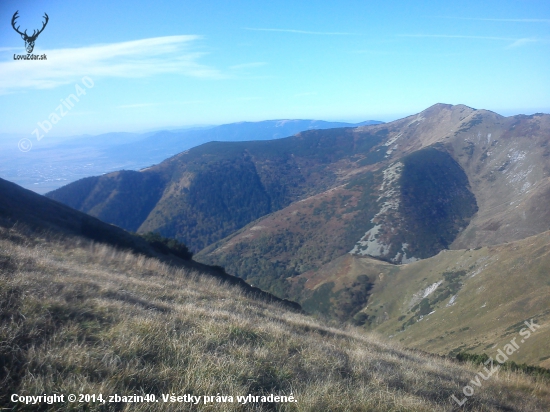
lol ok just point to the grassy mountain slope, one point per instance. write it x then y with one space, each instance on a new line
397 216
473 300
303 236
21 206
212 190
507 160
269 211
204 194
449 177
80 317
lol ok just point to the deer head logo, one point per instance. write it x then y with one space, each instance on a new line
29 40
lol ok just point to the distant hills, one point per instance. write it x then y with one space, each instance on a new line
399 191
52 163
204 194
293 216
449 177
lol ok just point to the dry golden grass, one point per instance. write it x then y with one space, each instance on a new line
78 317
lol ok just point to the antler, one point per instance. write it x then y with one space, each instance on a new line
34 33
43 26
29 40
15 16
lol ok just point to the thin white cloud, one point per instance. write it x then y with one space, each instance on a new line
501 20
462 52
322 33
247 65
522 42
457 36
515 41
131 59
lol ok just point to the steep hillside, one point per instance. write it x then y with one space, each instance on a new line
448 177
507 161
473 300
208 192
433 189
424 201
19 206
83 318
436 204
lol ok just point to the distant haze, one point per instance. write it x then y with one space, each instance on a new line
52 163
175 63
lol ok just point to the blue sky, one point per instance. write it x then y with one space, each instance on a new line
172 64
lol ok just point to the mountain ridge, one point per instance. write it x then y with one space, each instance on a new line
269 211
50 163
